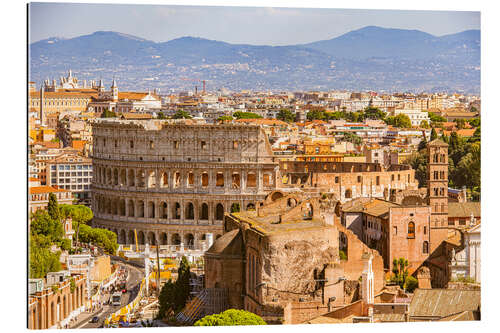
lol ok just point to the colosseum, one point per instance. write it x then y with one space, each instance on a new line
173 182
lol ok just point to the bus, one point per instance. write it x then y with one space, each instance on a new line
116 298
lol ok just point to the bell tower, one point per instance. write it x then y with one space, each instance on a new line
114 91
437 190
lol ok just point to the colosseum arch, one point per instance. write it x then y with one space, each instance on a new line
164 179
131 208
204 179
151 179
151 209
190 179
348 194
140 237
163 210
275 195
219 179
140 208
176 211
131 177
189 213
123 177
115 176
176 239
151 238
163 238
219 212
204 211
177 179
108 176
131 237
267 179
189 239
251 206
123 237
251 179
114 206
235 180
141 178
122 207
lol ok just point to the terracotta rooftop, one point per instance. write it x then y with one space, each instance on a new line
464 209
443 302
45 189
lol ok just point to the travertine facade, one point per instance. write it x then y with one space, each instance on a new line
347 180
173 182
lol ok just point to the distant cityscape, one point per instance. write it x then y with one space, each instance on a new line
357 204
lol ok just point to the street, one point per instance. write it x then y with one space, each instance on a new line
134 278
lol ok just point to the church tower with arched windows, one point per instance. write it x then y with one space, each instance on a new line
437 190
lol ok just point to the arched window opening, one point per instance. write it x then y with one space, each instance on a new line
164 210
131 177
411 230
250 206
219 180
251 180
235 181
189 214
348 194
219 212
190 179
204 212
204 179
425 247
177 179
164 179
177 211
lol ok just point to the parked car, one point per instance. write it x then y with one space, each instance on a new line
124 290
94 319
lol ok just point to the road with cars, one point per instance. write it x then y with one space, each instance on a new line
135 276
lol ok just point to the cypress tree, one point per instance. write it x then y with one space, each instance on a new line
53 207
434 135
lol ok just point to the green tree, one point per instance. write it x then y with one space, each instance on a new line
374 113
436 118
286 115
460 123
161 115
78 213
400 121
475 122
424 124
411 284
400 271
434 135
246 115
316 114
43 224
101 237
352 137
167 299
108 114
182 283
41 259
225 118
231 317
53 207
422 144
181 114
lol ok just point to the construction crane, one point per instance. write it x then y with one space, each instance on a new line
195 80
136 242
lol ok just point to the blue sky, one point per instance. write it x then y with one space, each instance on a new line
249 25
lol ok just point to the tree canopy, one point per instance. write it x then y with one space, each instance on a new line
181 114
401 121
231 317
246 115
173 295
286 115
